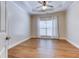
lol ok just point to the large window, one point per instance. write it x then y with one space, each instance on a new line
47 27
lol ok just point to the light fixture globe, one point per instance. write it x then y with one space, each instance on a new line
44 7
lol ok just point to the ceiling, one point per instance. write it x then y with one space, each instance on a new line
57 6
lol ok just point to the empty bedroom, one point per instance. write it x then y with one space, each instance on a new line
39 29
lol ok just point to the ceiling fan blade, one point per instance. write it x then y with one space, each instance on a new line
40 2
39 7
50 6
41 11
49 9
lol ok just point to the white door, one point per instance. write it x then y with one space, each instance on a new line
3 43
3 50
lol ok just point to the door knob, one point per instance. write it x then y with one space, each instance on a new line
7 38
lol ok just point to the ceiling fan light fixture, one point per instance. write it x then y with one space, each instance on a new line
44 7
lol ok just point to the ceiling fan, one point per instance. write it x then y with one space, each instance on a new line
44 5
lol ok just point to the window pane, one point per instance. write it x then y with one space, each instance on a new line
49 32
48 28
42 32
42 24
49 24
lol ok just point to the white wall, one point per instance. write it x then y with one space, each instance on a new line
62 24
73 24
18 23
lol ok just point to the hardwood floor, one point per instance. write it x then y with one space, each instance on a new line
44 48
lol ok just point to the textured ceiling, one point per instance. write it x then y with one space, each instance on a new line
57 6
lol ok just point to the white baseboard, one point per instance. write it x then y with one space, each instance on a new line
77 46
34 37
62 38
18 42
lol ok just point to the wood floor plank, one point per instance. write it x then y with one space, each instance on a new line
44 48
